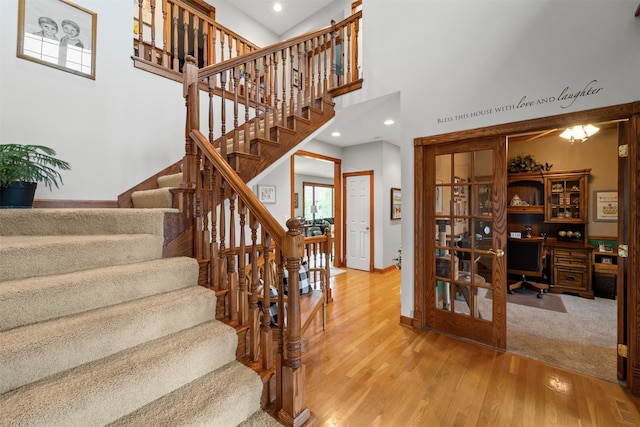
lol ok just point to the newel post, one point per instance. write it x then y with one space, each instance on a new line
192 102
293 410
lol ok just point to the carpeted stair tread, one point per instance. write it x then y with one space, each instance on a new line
38 299
208 401
32 222
36 351
171 181
154 198
34 256
108 389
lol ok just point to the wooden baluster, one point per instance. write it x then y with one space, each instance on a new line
333 76
284 107
327 64
222 37
176 60
328 249
185 33
354 75
214 32
235 77
313 72
223 116
306 74
141 49
257 97
205 44
348 44
214 260
222 252
255 326
268 96
275 86
292 105
210 87
300 87
266 334
231 260
293 409
152 53
248 75
230 44
166 52
243 293
196 32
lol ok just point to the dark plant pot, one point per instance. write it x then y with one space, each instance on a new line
18 194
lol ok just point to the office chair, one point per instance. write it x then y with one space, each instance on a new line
526 257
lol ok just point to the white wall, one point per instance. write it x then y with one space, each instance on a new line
453 58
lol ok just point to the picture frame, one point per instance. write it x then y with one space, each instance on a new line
456 189
58 34
295 200
606 205
439 196
267 193
396 204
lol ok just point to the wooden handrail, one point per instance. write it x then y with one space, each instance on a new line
252 203
261 52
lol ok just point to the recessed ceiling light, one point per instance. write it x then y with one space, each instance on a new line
277 7
389 122
335 134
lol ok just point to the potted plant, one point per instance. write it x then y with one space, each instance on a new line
22 167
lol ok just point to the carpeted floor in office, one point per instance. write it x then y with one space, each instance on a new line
582 337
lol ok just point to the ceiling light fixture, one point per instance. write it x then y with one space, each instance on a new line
335 134
277 7
389 122
581 133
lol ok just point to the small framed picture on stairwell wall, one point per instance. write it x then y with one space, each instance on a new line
267 193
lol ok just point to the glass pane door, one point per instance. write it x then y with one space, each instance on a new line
469 277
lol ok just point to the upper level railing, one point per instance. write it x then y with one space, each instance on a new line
167 31
171 30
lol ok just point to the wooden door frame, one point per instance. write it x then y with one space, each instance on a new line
371 214
631 112
338 258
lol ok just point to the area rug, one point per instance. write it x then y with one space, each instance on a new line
527 297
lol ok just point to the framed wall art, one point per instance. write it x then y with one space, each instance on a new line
396 203
606 206
267 193
59 34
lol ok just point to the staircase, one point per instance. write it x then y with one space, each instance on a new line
96 328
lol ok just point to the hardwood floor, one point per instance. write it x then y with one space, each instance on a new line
367 369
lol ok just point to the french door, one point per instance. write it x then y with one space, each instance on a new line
462 254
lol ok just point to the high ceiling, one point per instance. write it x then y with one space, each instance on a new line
293 12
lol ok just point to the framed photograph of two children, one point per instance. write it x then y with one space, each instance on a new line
59 34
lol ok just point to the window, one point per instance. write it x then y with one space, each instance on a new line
320 196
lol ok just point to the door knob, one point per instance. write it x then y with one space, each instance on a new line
497 252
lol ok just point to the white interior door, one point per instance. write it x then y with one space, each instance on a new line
358 222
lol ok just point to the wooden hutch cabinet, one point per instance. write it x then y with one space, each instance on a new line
555 205
566 198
